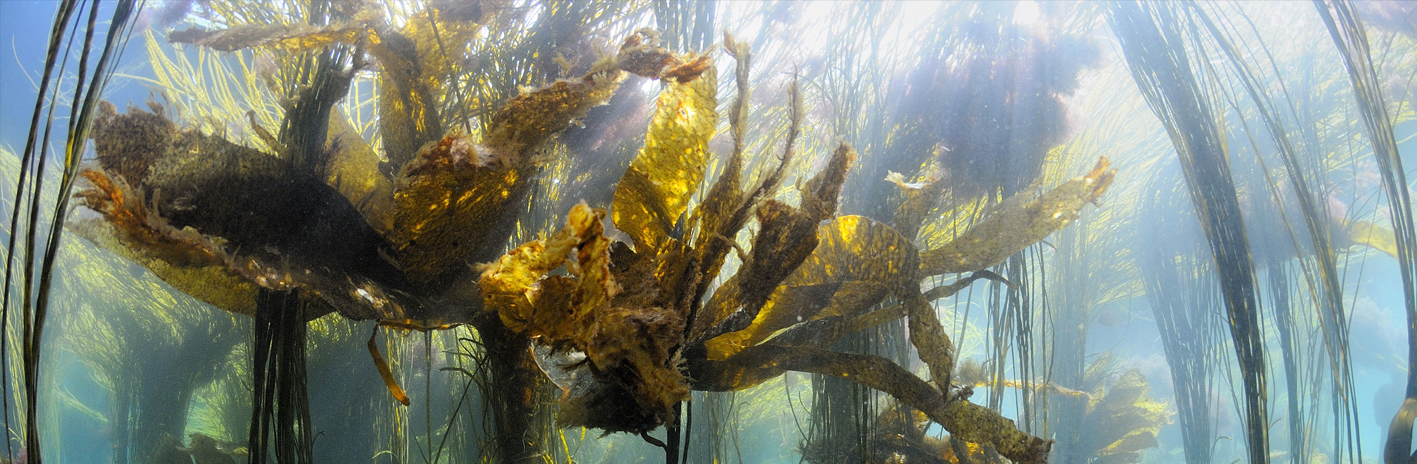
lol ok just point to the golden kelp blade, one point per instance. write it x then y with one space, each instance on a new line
415 69
513 286
1017 224
1367 234
452 202
655 190
856 263
384 371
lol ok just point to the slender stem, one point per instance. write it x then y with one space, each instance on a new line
671 440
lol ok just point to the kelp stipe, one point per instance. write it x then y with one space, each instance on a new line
1352 43
36 275
1185 298
1160 64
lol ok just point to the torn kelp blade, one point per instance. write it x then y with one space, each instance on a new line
384 371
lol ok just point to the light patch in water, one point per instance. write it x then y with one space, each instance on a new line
1027 12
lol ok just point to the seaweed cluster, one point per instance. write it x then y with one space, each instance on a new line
626 328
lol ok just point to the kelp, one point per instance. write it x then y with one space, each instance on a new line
412 237
856 263
1365 233
384 371
1351 40
280 410
353 171
454 200
727 208
1018 222
1160 64
416 60
438 204
191 202
1123 420
37 271
627 318
627 342
963 419
1329 288
629 311
852 264
786 237
1185 300
291 37
654 192
213 283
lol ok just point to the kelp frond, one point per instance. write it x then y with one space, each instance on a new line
1018 222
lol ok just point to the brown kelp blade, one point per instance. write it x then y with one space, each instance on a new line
786 237
384 371
1017 223
856 263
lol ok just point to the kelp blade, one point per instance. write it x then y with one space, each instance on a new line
655 190
856 263
1018 223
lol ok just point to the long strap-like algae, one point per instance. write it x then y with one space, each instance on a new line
1150 38
1352 42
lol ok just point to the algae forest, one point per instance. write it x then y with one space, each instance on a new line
702 232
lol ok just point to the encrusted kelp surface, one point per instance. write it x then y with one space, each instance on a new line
194 201
627 341
183 258
294 37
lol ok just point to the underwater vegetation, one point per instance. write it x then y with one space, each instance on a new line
637 231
